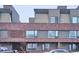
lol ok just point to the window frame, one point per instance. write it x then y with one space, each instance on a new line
34 33
54 19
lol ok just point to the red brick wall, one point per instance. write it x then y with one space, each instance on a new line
16 34
38 26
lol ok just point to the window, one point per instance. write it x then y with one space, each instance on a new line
52 34
3 34
75 19
63 34
77 34
53 20
31 34
32 45
47 45
72 34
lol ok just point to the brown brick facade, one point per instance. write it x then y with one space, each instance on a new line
16 34
39 26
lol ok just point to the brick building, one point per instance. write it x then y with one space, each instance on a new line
49 29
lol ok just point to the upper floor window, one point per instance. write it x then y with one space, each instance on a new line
75 19
31 34
63 34
53 20
52 34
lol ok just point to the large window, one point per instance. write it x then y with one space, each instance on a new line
31 34
53 20
52 34
63 34
31 45
72 34
75 19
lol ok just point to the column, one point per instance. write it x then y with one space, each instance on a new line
59 45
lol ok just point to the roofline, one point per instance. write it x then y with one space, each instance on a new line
45 11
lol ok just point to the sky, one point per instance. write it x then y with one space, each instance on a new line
26 11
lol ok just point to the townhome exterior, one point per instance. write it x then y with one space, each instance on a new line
58 30
49 29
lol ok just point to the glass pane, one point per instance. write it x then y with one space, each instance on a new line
77 34
72 34
52 34
47 45
35 34
74 19
29 45
77 19
34 45
54 20
30 34
74 46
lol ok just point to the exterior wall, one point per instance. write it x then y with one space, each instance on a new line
16 34
14 14
41 18
39 26
53 13
31 20
64 18
5 17
74 13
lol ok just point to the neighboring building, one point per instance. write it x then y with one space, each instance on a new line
7 15
49 29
